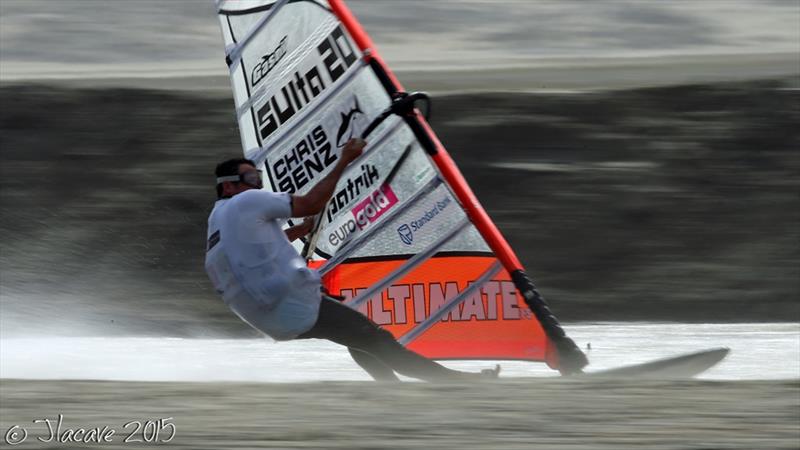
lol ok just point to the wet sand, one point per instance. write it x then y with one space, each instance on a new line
670 203
509 414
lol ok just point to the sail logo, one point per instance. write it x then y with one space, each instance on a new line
413 303
268 62
374 206
363 214
304 85
406 231
306 160
348 122
406 235
314 154
352 190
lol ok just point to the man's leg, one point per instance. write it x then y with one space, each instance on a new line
373 366
345 326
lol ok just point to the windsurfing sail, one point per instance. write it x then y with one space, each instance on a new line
404 239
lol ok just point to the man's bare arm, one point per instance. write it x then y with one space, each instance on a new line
315 200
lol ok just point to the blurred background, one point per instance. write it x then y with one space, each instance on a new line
641 157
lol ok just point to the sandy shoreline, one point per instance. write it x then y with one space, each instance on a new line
511 414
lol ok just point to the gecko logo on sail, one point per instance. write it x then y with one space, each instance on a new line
268 62
407 230
363 214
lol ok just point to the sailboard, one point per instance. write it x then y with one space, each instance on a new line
404 239
681 366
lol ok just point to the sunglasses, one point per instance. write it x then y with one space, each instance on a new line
252 178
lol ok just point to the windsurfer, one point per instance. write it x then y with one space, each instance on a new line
265 282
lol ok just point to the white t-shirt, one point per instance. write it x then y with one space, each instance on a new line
252 264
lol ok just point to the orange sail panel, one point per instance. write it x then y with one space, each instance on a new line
494 323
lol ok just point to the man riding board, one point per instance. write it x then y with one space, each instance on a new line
264 281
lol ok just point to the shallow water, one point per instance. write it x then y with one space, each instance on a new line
759 351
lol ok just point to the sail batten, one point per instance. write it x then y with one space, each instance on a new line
455 301
407 266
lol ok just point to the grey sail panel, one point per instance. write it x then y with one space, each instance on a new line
410 264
